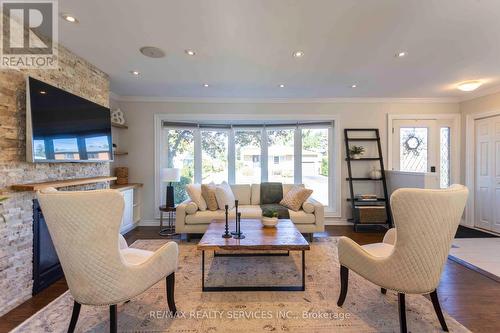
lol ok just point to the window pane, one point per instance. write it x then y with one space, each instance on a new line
181 156
445 157
247 157
214 156
280 155
413 149
315 162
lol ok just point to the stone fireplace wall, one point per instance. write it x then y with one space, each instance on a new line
16 238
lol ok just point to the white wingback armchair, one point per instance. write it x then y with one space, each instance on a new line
99 267
412 255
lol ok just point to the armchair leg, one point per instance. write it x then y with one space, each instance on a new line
402 312
383 291
437 308
344 277
170 293
113 322
74 317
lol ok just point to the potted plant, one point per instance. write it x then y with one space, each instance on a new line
356 151
270 218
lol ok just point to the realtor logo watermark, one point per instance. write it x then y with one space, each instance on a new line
29 34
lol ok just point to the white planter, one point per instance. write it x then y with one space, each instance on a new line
356 156
269 222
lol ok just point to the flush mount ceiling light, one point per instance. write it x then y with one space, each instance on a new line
206 85
282 86
354 86
69 18
152 52
135 73
298 54
190 52
401 54
469 85
43 92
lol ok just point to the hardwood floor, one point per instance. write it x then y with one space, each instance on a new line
471 298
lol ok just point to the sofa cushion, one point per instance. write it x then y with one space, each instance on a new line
302 217
205 217
194 192
255 200
288 187
191 208
242 193
250 211
208 192
296 197
308 207
224 195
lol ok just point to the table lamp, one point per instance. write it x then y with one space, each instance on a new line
170 175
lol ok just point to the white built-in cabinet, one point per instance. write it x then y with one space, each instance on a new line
132 211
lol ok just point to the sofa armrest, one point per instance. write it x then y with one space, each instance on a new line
180 215
319 211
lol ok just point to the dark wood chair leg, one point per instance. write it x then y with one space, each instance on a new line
74 316
113 322
402 312
437 308
344 278
383 291
170 293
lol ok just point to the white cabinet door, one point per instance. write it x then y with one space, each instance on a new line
128 213
487 196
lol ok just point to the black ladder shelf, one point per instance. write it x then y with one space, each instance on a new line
380 201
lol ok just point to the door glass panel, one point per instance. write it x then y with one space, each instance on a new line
247 144
413 149
281 153
444 159
214 149
315 162
181 156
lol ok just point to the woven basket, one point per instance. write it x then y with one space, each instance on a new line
371 214
121 174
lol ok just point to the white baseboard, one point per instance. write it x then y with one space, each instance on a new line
128 228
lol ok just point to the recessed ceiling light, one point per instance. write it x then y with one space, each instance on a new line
469 85
354 86
298 54
282 86
401 54
206 85
136 73
69 18
43 92
152 52
190 52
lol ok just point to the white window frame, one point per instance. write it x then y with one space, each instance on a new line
333 210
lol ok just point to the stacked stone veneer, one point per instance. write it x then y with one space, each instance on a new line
16 214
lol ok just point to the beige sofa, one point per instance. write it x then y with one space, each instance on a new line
190 220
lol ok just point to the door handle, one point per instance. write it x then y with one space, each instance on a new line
433 169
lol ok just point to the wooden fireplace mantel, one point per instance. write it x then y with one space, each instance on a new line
61 183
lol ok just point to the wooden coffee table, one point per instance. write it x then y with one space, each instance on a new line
257 242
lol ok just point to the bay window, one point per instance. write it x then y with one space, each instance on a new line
248 156
214 149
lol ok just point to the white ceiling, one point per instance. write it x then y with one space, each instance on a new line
244 47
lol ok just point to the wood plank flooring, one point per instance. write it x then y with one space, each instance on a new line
471 298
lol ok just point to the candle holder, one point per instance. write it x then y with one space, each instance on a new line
239 234
226 233
236 216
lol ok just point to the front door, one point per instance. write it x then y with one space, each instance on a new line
487 196
422 145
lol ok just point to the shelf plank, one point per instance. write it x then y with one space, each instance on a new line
364 179
363 139
120 153
61 183
124 187
363 159
119 125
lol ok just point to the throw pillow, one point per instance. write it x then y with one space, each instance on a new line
208 193
224 195
191 208
194 192
295 198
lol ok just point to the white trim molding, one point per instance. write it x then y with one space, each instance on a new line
470 158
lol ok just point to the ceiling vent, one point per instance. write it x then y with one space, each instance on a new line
152 52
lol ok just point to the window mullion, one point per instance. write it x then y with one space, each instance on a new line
197 156
297 160
263 156
231 157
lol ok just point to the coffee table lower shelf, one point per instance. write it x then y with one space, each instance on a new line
204 288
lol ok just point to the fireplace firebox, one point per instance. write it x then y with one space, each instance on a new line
46 266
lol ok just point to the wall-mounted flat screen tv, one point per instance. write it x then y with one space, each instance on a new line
62 127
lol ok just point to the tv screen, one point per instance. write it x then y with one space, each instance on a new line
62 127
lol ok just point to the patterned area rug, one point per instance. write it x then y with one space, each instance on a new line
315 310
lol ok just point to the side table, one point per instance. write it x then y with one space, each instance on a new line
168 230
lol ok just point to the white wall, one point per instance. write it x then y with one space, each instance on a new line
139 139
